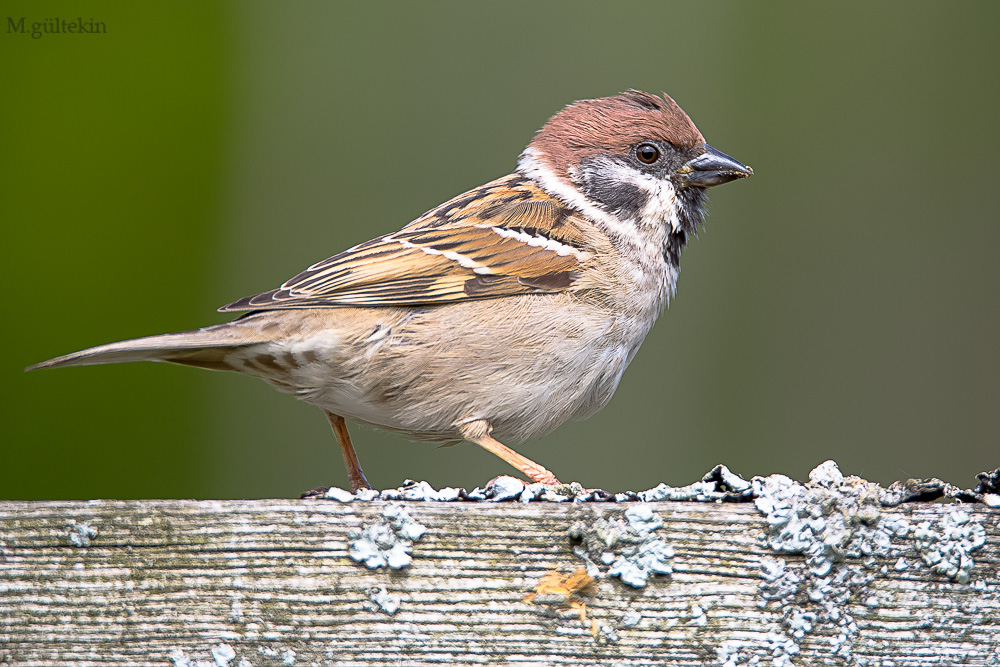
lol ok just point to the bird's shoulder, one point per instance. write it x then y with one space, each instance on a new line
503 238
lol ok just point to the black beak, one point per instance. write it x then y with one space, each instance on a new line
712 168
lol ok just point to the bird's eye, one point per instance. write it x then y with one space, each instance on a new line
647 153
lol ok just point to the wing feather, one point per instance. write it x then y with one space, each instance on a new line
507 237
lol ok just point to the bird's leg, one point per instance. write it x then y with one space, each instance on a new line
479 433
354 473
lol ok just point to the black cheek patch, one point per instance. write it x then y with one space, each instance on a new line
615 196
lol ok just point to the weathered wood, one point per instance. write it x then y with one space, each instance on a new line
270 582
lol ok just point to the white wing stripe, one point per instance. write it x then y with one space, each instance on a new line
540 241
461 259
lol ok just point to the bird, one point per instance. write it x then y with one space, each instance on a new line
495 317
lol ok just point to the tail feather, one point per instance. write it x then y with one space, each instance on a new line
202 347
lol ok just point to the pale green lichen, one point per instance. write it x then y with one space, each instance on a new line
383 600
81 533
838 524
625 544
946 546
387 541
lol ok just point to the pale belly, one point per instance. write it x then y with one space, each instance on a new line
524 369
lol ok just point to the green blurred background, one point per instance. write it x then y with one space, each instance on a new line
841 304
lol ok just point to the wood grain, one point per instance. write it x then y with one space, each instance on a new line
270 582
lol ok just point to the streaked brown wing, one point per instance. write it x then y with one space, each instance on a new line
506 237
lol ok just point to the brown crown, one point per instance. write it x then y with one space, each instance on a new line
612 124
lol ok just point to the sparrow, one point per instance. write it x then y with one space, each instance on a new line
496 316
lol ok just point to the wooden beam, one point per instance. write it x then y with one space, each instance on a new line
817 574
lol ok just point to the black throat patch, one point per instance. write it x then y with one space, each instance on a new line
690 213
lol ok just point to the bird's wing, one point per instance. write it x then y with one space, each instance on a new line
506 237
